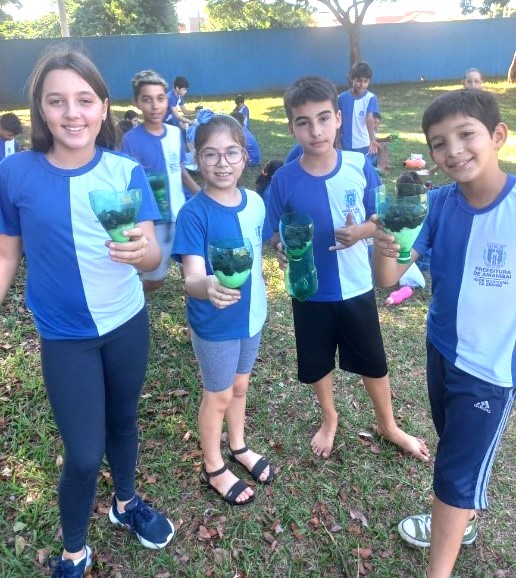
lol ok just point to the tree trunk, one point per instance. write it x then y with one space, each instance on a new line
354 44
511 75
65 31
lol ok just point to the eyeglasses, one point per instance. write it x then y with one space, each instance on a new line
211 158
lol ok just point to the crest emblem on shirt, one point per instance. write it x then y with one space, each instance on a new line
350 197
495 255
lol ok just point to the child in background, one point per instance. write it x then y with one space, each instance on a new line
177 113
263 188
125 126
471 319
357 106
84 293
132 117
254 155
160 150
226 323
10 127
336 189
242 108
472 78
381 159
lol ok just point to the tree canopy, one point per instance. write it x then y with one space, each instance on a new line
100 18
485 7
256 14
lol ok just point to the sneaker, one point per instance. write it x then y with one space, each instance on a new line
153 529
67 569
416 530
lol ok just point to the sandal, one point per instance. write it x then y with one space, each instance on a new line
236 489
258 467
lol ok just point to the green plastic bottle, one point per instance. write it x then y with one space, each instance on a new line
296 232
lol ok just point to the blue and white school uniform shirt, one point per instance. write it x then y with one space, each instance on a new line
328 199
8 147
174 101
73 288
354 111
163 153
472 316
201 221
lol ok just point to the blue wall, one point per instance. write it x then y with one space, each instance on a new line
225 63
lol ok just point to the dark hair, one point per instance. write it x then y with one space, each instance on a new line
125 125
377 115
11 123
409 178
264 178
238 116
145 77
360 70
472 102
218 123
239 99
63 57
309 89
130 114
181 82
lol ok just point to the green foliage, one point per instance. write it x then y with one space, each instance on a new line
256 14
116 17
486 7
45 27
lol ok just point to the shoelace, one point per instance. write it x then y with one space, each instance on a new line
140 515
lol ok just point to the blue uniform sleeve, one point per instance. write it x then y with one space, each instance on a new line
372 182
190 234
373 105
274 208
9 218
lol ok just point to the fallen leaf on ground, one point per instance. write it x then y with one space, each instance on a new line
358 515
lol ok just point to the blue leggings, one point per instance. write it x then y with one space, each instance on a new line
94 386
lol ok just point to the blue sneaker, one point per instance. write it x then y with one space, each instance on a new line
67 569
153 529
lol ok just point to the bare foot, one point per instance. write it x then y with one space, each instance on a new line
412 445
225 481
249 459
322 442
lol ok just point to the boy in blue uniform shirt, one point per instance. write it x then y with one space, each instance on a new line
357 106
161 151
10 127
336 188
471 334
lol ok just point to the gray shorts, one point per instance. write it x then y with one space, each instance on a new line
220 361
165 237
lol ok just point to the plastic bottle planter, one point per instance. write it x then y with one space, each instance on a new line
231 261
116 211
296 233
158 183
402 212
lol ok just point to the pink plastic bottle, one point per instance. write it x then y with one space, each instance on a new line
399 296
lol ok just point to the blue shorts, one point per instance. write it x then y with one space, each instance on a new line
470 416
220 361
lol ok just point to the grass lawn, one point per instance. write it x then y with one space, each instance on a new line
333 519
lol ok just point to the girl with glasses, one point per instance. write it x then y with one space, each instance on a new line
226 323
